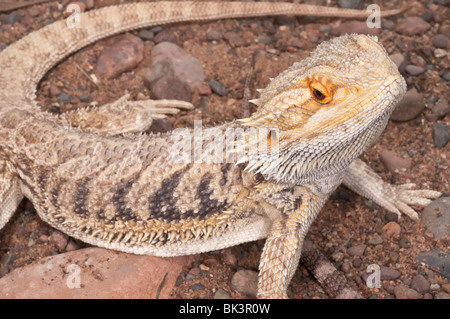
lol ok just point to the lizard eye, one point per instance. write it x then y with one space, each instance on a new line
318 95
320 92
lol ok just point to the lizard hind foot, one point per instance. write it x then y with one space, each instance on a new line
123 115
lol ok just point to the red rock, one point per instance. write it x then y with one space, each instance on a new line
409 107
59 239
185 67
171 88
103 274
245 282
412 26
123 54
392 162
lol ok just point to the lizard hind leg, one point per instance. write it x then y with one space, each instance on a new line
123 115
10 193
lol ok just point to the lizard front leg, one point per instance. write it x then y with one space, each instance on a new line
361 179
123 115
282 250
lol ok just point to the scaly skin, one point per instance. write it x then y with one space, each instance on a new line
129 193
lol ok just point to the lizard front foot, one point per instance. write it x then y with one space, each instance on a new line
402 196
396 198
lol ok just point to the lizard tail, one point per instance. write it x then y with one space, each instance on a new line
26 61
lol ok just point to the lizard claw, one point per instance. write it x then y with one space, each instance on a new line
404 195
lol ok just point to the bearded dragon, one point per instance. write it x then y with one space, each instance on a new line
90 175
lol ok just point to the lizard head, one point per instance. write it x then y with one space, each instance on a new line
326 109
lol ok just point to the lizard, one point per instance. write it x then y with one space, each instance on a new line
93 175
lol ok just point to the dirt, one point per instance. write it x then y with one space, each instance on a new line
346 219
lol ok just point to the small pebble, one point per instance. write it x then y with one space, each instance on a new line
346 267
389 25
351 4
325 28
436 259
391 230
204 267
146 34
414 70
375 240
265 39
283 20
33 11
59 239
160 126
85 98
235 39
218 88
11 18
197 287
357 262
89 4
443 295
446 76
441 41
409 107
445 288
431 100
245 282
440 53
338 256
357 250
420 284
165 36
434 287
212 35
403 292
403 242
436 217
440 134
397 58
72 245
63 98
221 294
427 16
389 274
393 255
